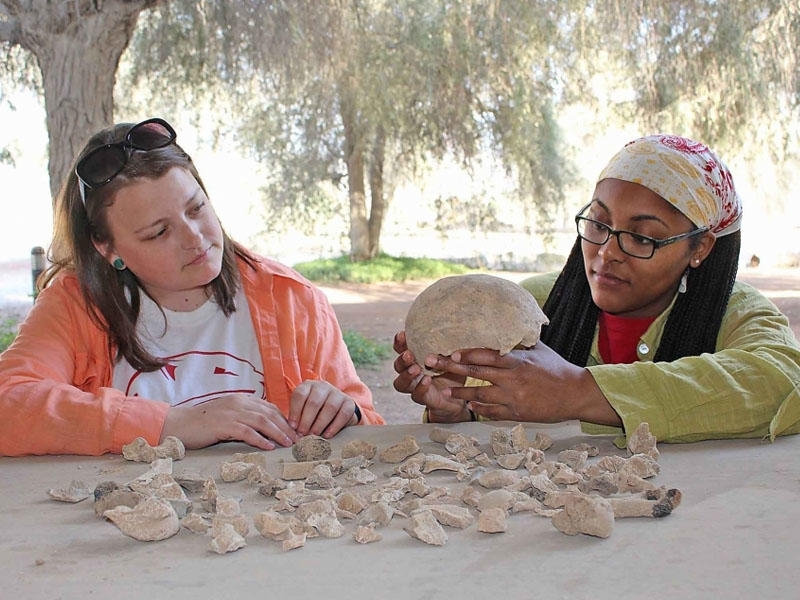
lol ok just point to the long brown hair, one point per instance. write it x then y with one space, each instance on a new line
112 297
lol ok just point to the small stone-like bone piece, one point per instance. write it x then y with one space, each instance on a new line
591 515
460 444
366 534
293 471
400 451
500 442
641 441
195 523
426 528
171 447
440 435
190 481
541 441
493 520
255 458
111 498
360 475
230 472
274 525
575 459
437 462
350 502
294 541
501 498
229 511
139 450
152 519
379 513
359 448
321 477
225 538
511 461
452 515
656 503
74 492
311 447
501 315
498 478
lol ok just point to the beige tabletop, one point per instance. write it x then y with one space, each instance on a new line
736 534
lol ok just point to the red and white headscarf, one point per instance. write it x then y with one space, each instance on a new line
686 174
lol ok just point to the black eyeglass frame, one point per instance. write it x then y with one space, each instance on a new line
655 243
126 148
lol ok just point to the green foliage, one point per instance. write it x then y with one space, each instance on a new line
8 332
380 268
364 352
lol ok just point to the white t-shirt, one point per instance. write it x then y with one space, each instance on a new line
208 355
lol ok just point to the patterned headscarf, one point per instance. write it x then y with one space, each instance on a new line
686 174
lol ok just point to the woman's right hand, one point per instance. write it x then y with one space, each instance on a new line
432 392
236 417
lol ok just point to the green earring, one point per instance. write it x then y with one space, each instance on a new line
119 264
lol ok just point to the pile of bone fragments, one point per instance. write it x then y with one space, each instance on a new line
318 495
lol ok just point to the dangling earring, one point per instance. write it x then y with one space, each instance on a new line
682 286
119 264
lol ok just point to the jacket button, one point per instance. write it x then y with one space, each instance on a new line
643 348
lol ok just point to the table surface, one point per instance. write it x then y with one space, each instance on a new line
736 534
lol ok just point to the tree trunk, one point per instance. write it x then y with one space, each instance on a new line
77 46
354 157
378 199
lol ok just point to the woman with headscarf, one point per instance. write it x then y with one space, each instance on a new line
647 323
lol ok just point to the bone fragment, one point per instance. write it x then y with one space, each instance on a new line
511 461
230 472
451 515
229 512
139 450
74 492
379 513
293 471
657 503
311 447
366 534
225 538
493 520
590 515
195 523
321 477
255 458
575 459
498 478
641 441
437 462
152 519
350 502
359 448
397 453
424 527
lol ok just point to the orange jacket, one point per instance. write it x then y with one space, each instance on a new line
55 394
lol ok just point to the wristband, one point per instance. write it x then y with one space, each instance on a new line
357 412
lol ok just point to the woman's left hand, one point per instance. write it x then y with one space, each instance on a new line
319 408
535 385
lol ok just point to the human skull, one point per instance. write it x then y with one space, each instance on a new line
472 311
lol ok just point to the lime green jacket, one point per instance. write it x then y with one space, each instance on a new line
748 388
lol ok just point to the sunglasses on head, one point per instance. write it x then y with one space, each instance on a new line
105 162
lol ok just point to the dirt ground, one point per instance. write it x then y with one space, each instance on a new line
377 311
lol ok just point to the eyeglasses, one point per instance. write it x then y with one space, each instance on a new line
632 244
104 163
